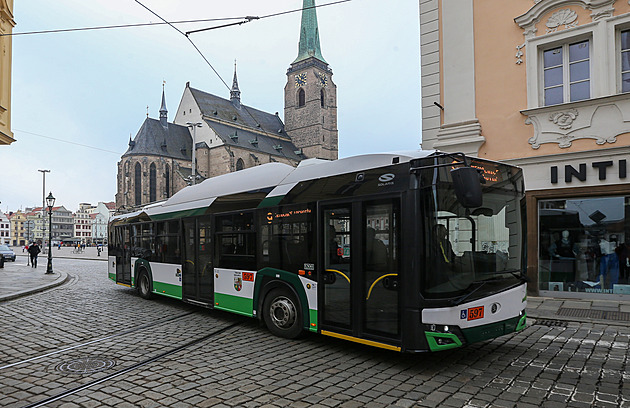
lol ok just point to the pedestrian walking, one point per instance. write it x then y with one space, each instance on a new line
33 251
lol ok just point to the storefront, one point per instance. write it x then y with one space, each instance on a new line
578 224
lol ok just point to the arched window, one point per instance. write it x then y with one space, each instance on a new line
321 98
301 98
167 182
152 183
240 165
137 181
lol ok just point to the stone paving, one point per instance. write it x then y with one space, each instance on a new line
576 364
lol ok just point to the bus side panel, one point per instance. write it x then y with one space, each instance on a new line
167 278
310 288
234 291
111 268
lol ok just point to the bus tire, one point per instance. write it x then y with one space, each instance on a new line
144 285
282 313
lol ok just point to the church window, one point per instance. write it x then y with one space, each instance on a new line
301 98
152 183
240 165
138 184
167 182
321 98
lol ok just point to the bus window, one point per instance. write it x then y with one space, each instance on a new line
167 248
287 237
236 241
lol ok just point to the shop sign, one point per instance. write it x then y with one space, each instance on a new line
602 168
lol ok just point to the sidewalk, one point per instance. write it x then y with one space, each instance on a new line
17 279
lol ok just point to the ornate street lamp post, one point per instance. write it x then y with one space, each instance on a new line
50 202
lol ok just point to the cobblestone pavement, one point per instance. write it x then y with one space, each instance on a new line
76 336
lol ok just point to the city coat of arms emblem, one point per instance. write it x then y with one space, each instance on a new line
238 283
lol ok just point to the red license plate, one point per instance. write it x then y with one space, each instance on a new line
475 313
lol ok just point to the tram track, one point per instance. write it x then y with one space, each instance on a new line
131 368
87 343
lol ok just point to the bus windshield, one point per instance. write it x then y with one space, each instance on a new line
472 252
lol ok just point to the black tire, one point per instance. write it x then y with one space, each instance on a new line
144 285
283 314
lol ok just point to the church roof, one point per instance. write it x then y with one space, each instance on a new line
257 142
173 141
215 107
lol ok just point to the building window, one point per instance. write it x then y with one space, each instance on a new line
625 61
152 183
583 245
138 184
321 98
167 181
240 165
301 98
566 73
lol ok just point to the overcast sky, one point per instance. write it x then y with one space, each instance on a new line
77 97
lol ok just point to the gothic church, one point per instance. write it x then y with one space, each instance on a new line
230 136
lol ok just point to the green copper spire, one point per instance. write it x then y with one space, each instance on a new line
309 34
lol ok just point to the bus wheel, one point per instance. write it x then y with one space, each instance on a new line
144 285
281 311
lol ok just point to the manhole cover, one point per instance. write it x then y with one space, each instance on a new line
86 365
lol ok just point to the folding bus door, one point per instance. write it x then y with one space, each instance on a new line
360 278
197 279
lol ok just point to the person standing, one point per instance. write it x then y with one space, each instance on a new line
33 251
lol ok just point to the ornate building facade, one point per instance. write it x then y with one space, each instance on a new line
544 85
224 135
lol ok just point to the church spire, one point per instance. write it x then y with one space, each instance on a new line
309 34
163 111
235 93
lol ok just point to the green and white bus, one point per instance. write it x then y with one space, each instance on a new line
411 251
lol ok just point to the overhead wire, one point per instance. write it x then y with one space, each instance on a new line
246 19
66 141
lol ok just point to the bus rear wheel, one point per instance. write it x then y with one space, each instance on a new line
144 285
282 313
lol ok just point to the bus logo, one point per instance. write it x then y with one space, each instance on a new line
238 283
386 178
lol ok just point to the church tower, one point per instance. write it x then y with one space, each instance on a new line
310 96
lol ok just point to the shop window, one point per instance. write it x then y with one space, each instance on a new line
583 245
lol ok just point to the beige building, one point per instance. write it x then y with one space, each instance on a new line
6 27
545 85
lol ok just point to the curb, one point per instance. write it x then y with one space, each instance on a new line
62 279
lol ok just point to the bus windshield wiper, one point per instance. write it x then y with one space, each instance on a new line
481 283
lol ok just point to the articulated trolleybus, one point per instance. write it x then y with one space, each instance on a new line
414 251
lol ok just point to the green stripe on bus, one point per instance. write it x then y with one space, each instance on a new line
312 314
270 201
112 276
235 304
180 214
167 289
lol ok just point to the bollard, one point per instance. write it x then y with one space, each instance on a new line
1 261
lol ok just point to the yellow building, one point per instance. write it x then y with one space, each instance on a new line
21 229
6 27
544 85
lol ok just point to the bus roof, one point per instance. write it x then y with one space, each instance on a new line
277 178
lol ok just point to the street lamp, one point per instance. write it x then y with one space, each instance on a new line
50 201
194 127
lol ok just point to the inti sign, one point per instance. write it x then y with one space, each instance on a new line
603 168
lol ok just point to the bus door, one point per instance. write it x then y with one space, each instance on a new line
123 255
197 279
361 245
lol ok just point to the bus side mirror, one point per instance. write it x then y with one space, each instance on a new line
467 184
